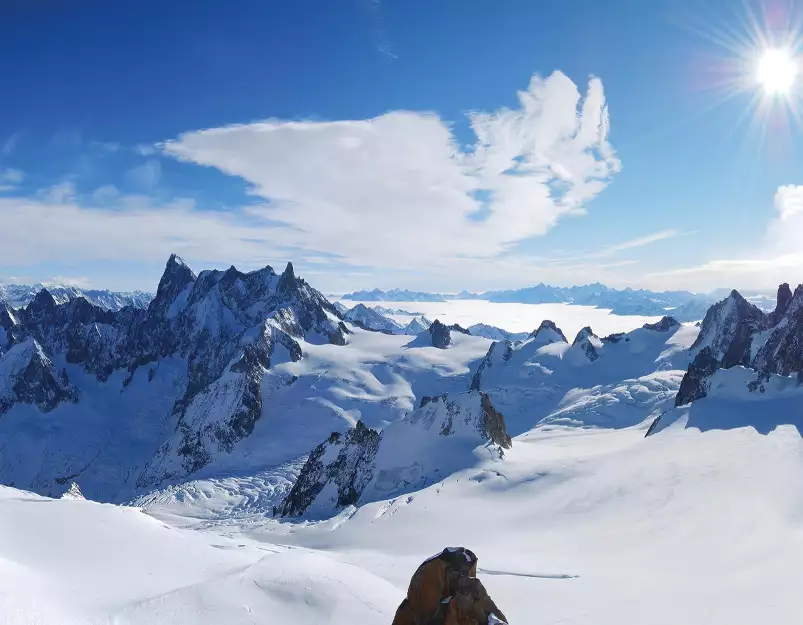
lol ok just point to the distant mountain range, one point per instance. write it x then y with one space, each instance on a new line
19 295
684 305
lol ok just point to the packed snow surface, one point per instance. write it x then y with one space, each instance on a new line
593 527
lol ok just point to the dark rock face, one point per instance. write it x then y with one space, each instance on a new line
499 350
783 300
548 328
33 380
616 337
362 463
725 340
697 381
458 328
729 328
493 424
664 325
441 338
445 590
585 341
782 352
350 471
225 325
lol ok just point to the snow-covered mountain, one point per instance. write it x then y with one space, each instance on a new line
616 381
125 400
377 319
394 295
365 465
396 446
19 295
765 350
370 319
494 333
682 305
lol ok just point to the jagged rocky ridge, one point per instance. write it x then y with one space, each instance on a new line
225 328
620 380
737 333
366 465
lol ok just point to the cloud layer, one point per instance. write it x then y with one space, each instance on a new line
398 191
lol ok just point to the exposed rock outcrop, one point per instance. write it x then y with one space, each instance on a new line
441 337
697 381
222 329
665 324
427 445
27 376
548 332
445 590
498 352
588 343
782 303
345 461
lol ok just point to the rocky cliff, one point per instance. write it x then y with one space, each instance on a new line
429 444
220 330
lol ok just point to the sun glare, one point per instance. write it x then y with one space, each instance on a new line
776 71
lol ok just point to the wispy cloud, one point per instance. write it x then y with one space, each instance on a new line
11 176
9 145
776 257
649 239
145 176
82 282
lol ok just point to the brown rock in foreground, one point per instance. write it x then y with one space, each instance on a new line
444 590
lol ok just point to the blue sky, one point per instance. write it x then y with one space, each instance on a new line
449 145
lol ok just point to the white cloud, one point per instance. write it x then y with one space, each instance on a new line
394 193
397 192
81 282
145 176
143 149
789 200
105 195
11 176
777 256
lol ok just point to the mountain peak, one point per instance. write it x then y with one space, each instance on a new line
176 270
783 300
548 332
665 324
441 338
588 342
287 281
43 301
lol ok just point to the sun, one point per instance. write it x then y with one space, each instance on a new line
776 71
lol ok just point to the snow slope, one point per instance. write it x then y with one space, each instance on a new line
71 562
591 527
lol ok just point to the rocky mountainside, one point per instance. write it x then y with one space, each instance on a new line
185 375
369 319
20 295
737 333
363 465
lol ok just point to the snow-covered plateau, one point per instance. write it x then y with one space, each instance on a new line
243 451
